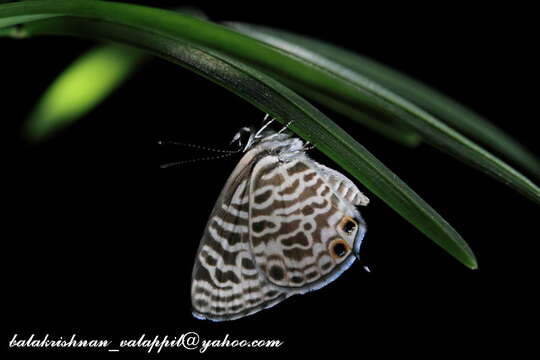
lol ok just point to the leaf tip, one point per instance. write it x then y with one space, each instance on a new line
472 263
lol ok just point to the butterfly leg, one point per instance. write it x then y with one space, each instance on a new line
265 119
308 146
285 127
265 125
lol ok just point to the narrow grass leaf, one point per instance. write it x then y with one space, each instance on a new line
309 68
440 105
272 97
372 93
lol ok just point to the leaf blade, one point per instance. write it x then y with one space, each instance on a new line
271 97
430 129
445 108
325 75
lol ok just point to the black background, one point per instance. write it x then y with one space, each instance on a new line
99 241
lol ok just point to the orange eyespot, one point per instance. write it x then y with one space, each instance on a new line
348 225
339 248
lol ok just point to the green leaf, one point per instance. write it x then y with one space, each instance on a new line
83 85
347 84
372 121
310 69
438 104
145 29
280 102
383 125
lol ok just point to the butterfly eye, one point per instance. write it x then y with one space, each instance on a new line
338 248
348 225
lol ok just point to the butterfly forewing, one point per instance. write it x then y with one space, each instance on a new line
226 283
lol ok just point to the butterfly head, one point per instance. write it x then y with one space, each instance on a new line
244 138
249 137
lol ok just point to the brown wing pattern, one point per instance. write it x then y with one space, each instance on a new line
226 282
342 186
294 221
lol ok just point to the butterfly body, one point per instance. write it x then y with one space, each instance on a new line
283 225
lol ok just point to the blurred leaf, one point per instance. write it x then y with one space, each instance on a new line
83 85
158 32
376 122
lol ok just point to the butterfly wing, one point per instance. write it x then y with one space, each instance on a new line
226 284
342 186
303 222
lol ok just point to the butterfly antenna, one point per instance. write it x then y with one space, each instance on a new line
177 163
199 147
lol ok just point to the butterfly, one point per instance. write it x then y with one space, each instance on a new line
282 225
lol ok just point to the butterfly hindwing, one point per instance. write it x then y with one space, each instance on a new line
295 219
342 186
